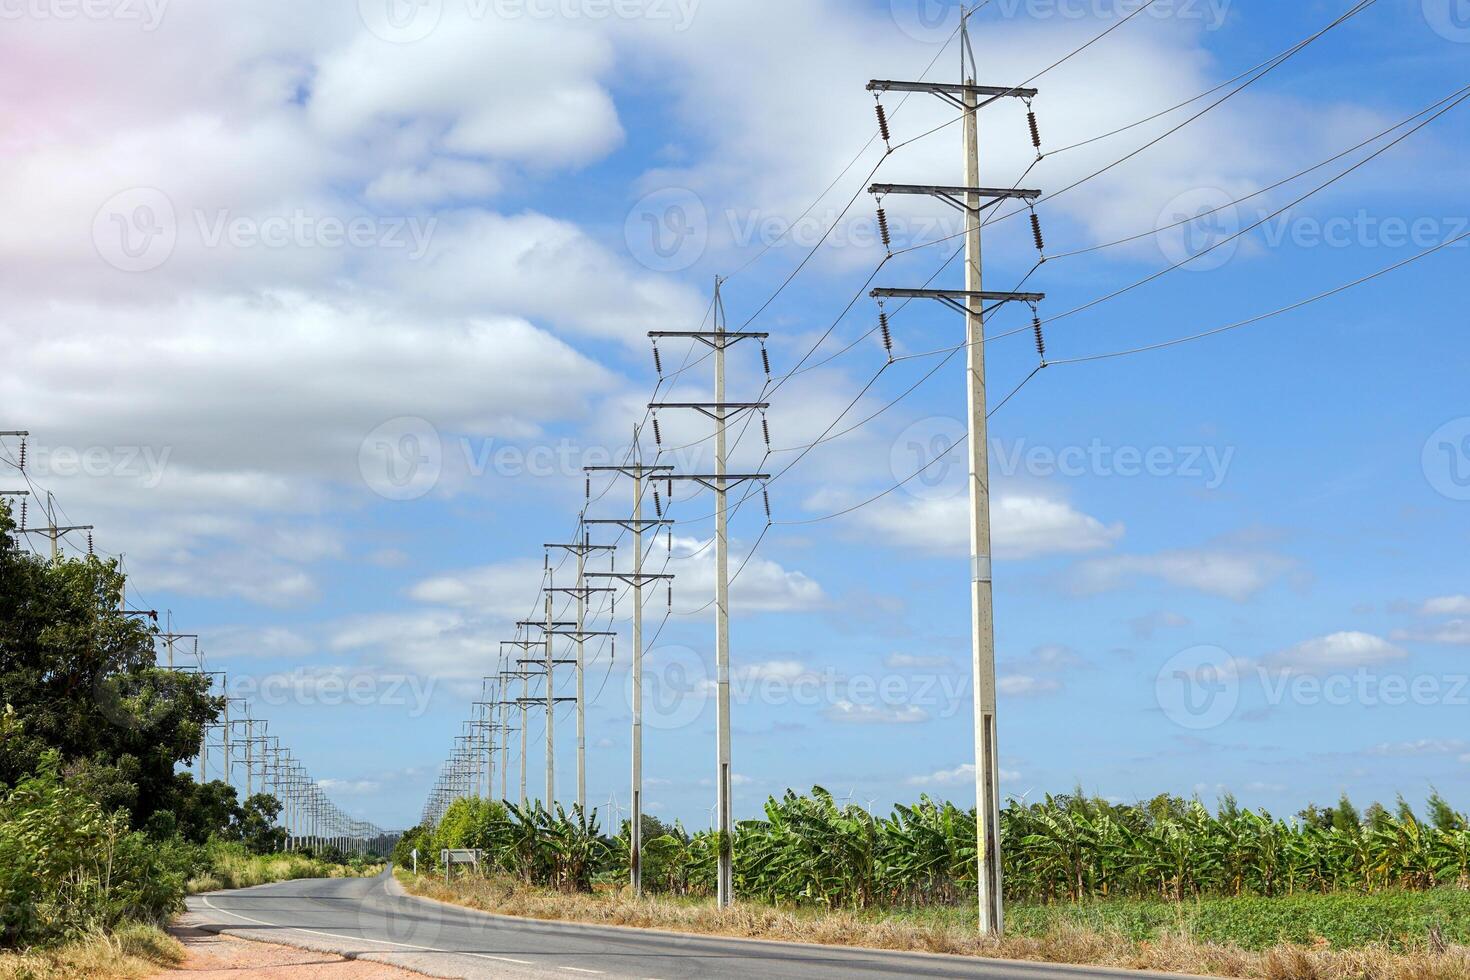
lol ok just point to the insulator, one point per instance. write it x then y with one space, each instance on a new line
22 514
1036 233
887 332
658 505
669 540
589 489
89 543
1035 130
766 496
766 359
883 229
883 124
22 455
669 591
658 435
658 363
1040 341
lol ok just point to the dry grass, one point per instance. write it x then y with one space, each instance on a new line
1064 944
132 952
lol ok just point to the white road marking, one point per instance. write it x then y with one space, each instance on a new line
578 969
364 939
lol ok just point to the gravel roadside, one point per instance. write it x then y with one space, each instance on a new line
218 957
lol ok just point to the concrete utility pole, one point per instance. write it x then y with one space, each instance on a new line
721 482
973 200
636 526
550 704
55 532
484 725
581 593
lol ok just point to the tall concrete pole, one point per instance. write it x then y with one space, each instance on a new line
225 732
504 737
249 757
635 825
987 763
722 624
550 702
525 706
581 683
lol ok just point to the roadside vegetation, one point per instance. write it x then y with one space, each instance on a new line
1168 884
101 831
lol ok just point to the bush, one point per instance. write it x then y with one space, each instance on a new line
68 868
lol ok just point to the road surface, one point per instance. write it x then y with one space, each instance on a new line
370 918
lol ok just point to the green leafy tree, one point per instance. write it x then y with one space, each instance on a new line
79 678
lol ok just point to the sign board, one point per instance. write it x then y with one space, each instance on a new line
449 858
460 857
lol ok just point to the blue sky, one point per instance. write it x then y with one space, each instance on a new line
252 250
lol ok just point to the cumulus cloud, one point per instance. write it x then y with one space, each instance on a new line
1022 526
1234 575
1454 632
961 775
1449 605
1337 651
1025 685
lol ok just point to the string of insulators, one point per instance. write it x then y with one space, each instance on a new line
1035 129
887 334
658 364
766 431
658 505
883 123
90 552
669 592
22 455
658 435
1040 340
669 540
766 359
22 513
589 489
883 231
1036 233
766 497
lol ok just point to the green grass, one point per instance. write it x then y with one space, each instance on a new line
1397 920
231 867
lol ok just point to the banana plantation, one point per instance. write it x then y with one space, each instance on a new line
817 850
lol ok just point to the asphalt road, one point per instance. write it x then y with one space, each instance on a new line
372 919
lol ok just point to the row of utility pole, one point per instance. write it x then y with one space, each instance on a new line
246 748
474 756
532 654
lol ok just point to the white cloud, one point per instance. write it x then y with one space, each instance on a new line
1022 526
507 590
907 661
1338 651
846 713
236 642
522 90
1024 685
961 775
1449 605
1421 746
1455 632
349 787
763 585
1232 574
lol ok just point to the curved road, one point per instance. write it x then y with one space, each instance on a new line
371 918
